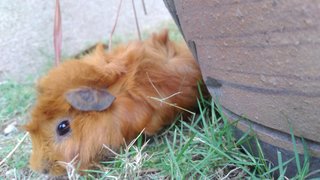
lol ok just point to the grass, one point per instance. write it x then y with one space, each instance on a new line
200 147
15 99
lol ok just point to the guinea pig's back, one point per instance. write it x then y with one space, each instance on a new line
168 82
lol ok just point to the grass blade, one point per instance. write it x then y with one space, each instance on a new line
295 149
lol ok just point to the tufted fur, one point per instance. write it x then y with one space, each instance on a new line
126 73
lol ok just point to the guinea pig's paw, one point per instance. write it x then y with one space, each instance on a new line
56 170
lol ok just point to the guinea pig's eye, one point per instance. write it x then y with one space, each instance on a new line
63 128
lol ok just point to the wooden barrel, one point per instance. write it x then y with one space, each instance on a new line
261 60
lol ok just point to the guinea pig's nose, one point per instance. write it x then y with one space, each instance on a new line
45 171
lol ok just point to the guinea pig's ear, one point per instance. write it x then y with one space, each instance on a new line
162 37
100 49
89 99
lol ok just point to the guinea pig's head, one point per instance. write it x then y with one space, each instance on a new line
69 121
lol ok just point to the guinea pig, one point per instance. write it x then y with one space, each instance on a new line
108 98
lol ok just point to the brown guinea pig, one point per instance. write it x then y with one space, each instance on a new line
107 98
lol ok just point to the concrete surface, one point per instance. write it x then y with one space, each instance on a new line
26 29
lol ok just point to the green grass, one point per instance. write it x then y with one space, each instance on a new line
15 99
199 147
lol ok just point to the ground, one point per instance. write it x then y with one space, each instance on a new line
26 29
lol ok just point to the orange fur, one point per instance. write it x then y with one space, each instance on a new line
126 73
